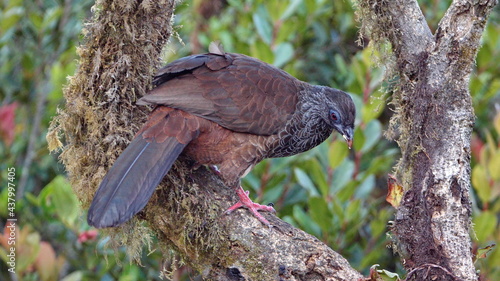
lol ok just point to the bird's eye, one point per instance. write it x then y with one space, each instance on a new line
334 115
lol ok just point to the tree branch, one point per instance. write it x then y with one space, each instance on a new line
188 212
123 44
402 24
432 125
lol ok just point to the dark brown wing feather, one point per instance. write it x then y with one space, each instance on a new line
238 92
132 179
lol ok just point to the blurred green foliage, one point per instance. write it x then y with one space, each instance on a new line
334 193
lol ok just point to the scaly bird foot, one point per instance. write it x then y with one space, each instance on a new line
246 202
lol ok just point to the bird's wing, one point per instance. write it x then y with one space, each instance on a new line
132 179
238 92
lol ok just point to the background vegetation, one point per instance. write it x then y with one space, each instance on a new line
333 193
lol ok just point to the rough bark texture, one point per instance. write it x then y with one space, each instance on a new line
187 213
124 41
122 48
432 125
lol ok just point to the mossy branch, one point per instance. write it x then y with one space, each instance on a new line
432 125
122 49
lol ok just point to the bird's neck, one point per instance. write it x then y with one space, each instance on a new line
305 130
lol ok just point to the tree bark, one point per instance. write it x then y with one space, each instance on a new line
121 50
432 125
187 214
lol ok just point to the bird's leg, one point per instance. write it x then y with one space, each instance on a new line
246 202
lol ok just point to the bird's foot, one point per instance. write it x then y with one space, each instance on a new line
246 202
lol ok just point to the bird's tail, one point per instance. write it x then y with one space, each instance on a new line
132 179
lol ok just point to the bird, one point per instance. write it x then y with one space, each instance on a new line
220 109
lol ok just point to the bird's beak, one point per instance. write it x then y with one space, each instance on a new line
348 134
349 141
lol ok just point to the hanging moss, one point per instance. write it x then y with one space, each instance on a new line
121 50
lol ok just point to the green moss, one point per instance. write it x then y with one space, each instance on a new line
121 49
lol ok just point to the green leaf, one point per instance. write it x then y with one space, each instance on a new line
359 139
63 199
130 273
292 7
318 209
74 276
283 53
372 133
51 18
32 199
496 123
262 24
480 183
10 18
483 252
353 211
276 180
491 144
382 163
387 275
287 32
273 195
374 107
337 209
305 182
366 187
347 192
358 103
305 221
378 225
359 70
337 152
485 224
494 165
36 19
317 174
262 51
341 65
342 175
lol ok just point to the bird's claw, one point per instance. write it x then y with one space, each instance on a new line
246 202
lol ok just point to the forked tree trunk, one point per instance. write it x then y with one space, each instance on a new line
433 126
121 51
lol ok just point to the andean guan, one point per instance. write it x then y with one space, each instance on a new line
222 109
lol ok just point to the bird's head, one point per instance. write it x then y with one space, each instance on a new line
339 113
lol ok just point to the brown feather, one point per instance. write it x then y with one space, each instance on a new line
225 109
235 98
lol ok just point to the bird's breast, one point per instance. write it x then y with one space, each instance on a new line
216 144
297 138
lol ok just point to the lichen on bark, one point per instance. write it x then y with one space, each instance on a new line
121 50
432 124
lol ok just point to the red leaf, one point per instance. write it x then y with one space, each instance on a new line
87 235
7 122
476 147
